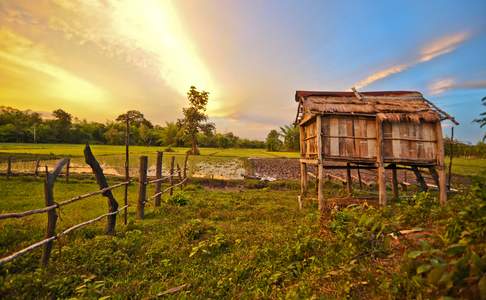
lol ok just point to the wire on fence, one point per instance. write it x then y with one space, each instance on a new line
45 241
54 206
167 189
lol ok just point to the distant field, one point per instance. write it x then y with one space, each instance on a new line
77 150
468 167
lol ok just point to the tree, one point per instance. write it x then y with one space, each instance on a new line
61 124
482 119
290 134
136 118
195 118
273 142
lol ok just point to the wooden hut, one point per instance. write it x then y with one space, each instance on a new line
370 130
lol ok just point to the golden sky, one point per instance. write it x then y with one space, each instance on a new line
98 58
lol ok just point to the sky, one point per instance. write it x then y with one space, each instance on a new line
99 58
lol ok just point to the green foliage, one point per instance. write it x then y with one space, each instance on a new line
211 246
291 137
179 199
273 142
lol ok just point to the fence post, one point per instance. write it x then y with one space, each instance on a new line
51 214
179 174
9 167
171 191
90 159
67 170
36 171
158 175
185 165
142 186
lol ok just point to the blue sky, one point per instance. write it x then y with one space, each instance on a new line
251 55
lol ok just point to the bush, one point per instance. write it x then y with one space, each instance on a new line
179 199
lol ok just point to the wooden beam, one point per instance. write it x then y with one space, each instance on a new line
440 164
349 180
420 179
320 189
395 183
380 164
309 161
303 179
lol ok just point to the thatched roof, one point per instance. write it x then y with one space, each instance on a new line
386 105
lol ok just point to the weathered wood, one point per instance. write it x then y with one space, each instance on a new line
309 161
420 179
37 165
451 155
303 179
142 187
440 164
349 180
395 182
51 214
158 175
185 164
67 170
27 213
103 184
171 179
359 177
320 190
90 194
434 175
127 167
380 164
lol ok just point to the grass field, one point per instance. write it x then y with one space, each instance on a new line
245 241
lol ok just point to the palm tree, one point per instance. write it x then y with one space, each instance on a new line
290 134
482 119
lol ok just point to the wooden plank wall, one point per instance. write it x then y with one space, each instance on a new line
309 140
410 141
353 137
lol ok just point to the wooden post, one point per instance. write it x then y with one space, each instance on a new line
379 163
171 179
9 167
420 179
185 165
395 182
102 183
127 168
320 189
434 174
142 186
158 175
37 164
67 170
51 214
349 180
179 174
359 177
303 179
451 155
440 164
320 166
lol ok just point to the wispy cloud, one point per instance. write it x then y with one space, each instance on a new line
430 51
445 84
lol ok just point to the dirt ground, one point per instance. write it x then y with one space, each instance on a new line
287 168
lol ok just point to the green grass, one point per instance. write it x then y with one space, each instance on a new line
233 240
468 167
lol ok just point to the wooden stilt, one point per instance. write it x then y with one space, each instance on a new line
434 174
420 179
395 182
379 164
359 178
320 191
349 180
440 164
303 179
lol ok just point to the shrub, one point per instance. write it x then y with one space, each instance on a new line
179 199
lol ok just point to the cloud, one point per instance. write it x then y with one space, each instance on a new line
445 84
430 51
21 55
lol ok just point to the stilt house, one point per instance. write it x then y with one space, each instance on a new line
370 130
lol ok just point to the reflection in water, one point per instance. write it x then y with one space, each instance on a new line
227 168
